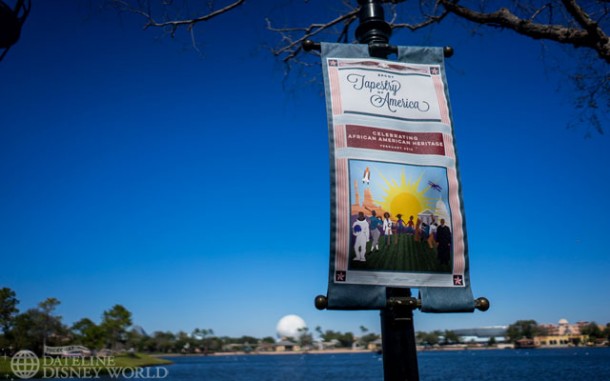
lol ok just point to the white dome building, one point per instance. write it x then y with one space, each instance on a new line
442 212
290 326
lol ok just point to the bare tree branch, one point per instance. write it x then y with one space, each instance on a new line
599 38
189 23
539 11
575 23
593 37
427 22
293 46
22 9
11 23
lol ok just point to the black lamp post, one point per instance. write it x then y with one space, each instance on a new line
373 29
397 330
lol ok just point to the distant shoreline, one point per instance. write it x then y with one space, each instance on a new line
310 352
352 351
270 353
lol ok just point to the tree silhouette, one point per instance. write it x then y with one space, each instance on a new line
115 322
204 335
578 25
11 22
49 321
8 309
575 24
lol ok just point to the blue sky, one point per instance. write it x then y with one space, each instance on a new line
136 171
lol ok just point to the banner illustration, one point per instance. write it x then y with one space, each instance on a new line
406 215
397 215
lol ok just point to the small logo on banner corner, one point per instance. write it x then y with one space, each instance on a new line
340 276
458 280
434 70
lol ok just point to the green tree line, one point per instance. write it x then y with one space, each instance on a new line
42 326
38 327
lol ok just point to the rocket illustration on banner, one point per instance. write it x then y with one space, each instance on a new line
366 178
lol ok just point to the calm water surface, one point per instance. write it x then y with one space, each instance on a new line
587 364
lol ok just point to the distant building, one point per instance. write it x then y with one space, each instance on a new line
563 327
138 330
482 335
322 345
265 347
525 344
286 346
375 345
562 334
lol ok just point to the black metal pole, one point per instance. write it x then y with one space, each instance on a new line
373 29
398 337
397 331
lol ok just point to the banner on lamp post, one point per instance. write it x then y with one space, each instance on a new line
396 206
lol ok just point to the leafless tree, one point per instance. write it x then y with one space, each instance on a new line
171 15
579 24
11 21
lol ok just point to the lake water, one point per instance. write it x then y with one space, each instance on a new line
570 364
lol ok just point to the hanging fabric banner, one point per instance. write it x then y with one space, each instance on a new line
396 206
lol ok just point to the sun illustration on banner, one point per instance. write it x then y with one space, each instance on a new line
405 197
399 189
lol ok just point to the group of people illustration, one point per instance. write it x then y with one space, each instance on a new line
436 234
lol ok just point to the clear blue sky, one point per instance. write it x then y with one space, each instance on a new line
194 189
